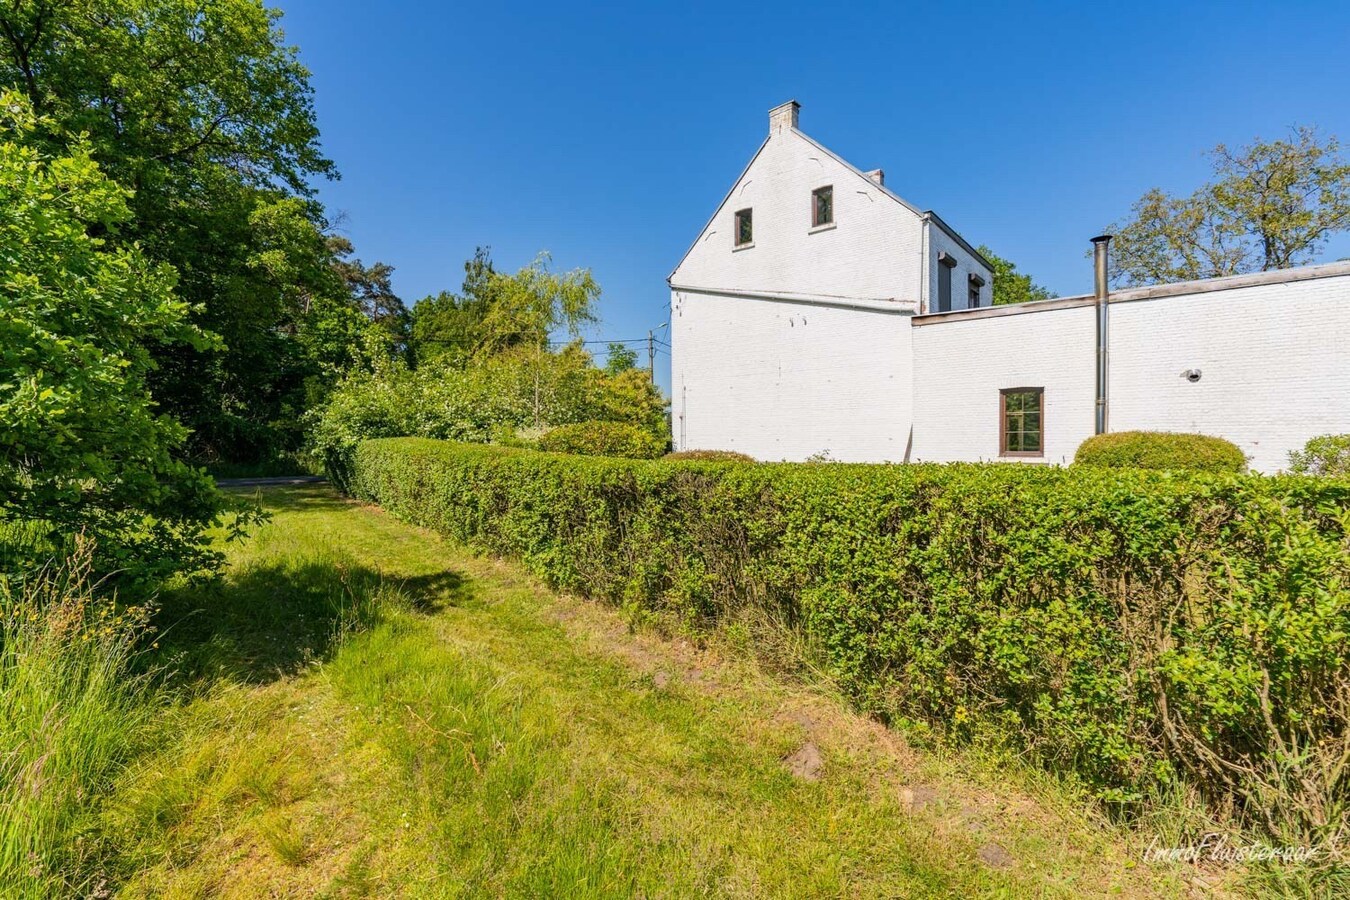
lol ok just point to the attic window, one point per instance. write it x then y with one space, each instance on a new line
976 282
745 228
822 206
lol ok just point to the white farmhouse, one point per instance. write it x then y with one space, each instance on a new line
820 313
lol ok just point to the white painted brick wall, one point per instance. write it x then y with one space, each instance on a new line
1275 371
782 381
1274 362
940 242
960 365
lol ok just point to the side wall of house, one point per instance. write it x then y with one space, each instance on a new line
783 380
1274 365
1272 357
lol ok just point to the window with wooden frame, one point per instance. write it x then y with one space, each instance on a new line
745 228
1021 421
822 206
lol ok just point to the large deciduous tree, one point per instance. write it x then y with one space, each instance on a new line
619 358
82 446
447 327
1271 205
163 86
206 114
495 312
529 306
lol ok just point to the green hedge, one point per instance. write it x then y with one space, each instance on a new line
1138 628
710 456
603 439
1161 450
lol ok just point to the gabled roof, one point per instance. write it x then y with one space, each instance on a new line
856 171
926 215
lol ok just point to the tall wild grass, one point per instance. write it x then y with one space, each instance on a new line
71 713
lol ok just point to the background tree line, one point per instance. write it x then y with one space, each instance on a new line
176 295
205 117
1269 205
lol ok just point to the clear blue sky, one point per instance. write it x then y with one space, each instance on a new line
608 135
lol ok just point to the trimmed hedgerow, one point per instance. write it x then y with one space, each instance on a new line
1161 450
603 439
709 456
1135 627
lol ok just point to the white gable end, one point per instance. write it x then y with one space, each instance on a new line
872 250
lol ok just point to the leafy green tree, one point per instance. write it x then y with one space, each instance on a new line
495 312
82 446
442 329
528 307
206 114
619 358
1010 285
1271 205
165 88
447 327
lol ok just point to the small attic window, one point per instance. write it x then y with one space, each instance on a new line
822 206
976 282
745 228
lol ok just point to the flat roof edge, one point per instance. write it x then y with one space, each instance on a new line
1154 292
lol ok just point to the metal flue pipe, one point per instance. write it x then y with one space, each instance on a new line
1100 245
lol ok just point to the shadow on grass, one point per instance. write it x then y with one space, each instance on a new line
315 498
272 617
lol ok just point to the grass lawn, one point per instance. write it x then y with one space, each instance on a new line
360 709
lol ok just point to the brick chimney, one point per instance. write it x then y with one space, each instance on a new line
877 175
781 118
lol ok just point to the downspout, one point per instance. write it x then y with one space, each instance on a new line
925 276
1099 259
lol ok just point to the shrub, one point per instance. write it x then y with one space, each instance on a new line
1161 450
1325 455
603 439
509 398
710 455
1105 620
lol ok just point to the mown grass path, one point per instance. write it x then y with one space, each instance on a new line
369 711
